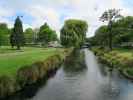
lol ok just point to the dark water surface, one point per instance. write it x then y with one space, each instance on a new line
93 82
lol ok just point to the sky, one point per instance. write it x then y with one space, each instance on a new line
36 12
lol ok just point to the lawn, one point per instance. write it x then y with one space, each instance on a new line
11 60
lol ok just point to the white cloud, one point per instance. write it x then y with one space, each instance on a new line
4 13
43 14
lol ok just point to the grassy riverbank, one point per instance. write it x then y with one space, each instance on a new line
27 66
11 60
122 59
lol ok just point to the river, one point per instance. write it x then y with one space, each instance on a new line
93 82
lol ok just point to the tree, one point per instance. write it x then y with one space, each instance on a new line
122 30
46 34
4 33
29 35
17 36
101 36
110 16
73 33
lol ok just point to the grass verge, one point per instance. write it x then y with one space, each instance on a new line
22 68
121 59
11 61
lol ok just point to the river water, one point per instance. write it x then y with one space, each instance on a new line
90 82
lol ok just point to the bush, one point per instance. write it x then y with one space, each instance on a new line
7 86
30 74
41 68
130 71
127 63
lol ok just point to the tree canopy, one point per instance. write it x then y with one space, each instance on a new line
46 34
110 16
4 34
29 35
122 31
17 36
73 33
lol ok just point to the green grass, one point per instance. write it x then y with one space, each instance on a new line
124 52
121 57
11 60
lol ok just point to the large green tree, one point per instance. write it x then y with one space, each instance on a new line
17 35
73 33
46 34
101 36
122 32
110 16
29 35
4 34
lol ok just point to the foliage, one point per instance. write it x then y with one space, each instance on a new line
73 33
46 34
124 29
121 33
17 36
121 59
102 36
29 35
7 86
4 34
110 16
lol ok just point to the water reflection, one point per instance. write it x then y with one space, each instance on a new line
75 63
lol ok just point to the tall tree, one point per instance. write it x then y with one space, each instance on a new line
101 36
29 35
110 16
46 34
4 33
17 36
73 33
122 33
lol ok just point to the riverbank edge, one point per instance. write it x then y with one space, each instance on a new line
28 75
109 59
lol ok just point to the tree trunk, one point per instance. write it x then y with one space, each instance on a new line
18 47
110 35
12 46
110 41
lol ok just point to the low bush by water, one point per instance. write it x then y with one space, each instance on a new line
116 59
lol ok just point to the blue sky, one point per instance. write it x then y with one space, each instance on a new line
55 12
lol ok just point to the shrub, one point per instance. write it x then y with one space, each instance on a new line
113 53
129 71
127 62
41 68
7 86
27 75
30 74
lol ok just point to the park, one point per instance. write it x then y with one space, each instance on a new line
67 60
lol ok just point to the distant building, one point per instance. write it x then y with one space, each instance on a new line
127 44
54 44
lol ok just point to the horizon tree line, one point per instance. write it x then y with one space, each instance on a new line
73 33
117 33
17 37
